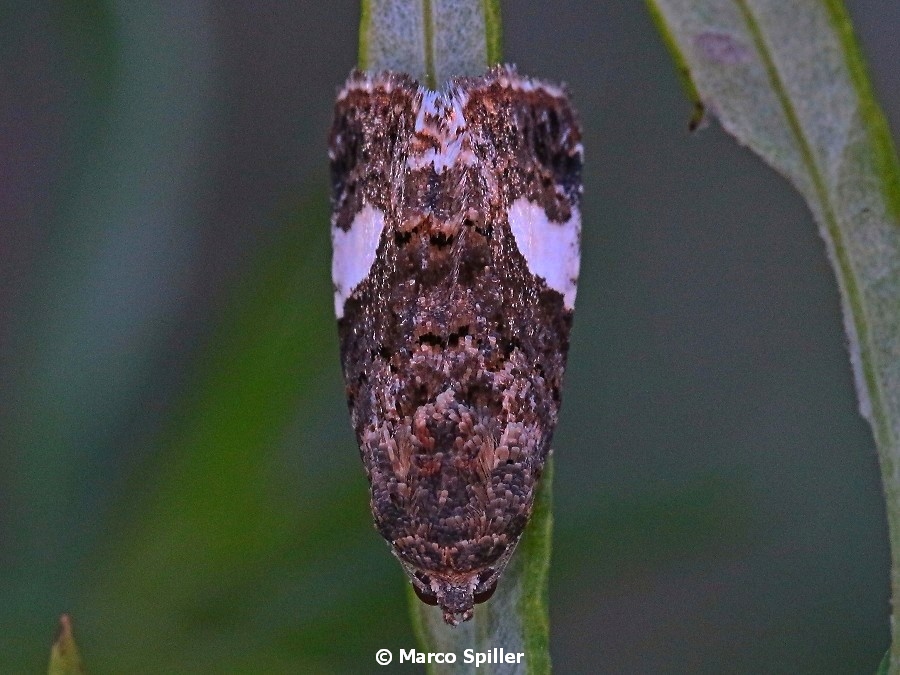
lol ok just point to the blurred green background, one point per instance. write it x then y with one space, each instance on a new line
177 468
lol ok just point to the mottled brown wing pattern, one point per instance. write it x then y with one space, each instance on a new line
456 231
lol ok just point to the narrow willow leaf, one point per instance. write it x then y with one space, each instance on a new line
515 618
435 40
432 40
64 656
787 80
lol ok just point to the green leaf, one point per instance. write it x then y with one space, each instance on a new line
432 40
435 40
64 656
515 618
788 81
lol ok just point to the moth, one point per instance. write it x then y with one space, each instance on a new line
456 231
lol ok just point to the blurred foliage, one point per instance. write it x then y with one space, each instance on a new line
64 656
221 544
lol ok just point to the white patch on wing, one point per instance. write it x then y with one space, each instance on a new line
353 253
552 250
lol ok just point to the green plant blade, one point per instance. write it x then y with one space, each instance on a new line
788 81
64 656
432 40
515 618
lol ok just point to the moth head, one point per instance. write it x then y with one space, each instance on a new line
457 593
456 598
